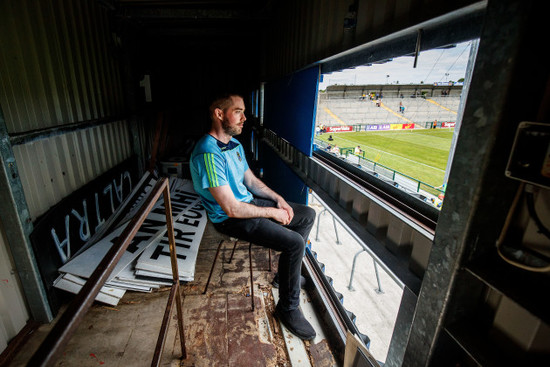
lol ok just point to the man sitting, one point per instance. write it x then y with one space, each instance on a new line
239 204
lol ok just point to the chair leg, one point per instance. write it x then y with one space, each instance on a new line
212 269
251 275
232 252
269 259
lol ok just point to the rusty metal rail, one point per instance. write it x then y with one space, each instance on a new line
56 340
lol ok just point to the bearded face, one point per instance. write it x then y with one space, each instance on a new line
233 117
231 129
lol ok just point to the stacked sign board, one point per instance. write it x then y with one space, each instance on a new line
145 265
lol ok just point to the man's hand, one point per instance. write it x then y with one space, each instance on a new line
236 209
258 188
281 215
282 204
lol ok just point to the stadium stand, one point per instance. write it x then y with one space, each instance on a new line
348 107
357 112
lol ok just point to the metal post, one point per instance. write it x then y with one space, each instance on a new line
318 220
14 214
333 222
335 230
379 289
175 276
175 294
251 275
350 285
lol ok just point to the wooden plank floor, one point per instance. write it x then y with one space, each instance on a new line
220 327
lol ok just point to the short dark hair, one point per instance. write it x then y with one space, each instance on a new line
222 101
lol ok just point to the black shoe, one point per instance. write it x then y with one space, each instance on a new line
296 323
275 281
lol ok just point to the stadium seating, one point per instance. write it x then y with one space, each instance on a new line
332 112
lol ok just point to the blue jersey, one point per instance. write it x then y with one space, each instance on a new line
214 164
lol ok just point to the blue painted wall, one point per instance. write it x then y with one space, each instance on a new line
290 107
279 177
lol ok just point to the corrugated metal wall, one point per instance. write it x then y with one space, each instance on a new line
61 95
52 168
59 66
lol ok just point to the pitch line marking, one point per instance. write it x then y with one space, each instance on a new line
440 105
395 155
334 116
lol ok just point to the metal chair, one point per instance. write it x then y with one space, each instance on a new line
236 240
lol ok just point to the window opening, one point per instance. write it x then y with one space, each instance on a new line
397 122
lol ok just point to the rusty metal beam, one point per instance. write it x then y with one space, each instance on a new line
54 344
174 292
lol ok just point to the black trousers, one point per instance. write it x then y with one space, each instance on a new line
290 240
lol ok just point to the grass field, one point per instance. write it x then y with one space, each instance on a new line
421 154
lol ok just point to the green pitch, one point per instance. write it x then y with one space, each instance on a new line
420 154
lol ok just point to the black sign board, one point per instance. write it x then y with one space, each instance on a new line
72 223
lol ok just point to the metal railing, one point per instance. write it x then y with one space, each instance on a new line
363 248
52 347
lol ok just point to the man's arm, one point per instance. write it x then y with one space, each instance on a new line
237 209
260 189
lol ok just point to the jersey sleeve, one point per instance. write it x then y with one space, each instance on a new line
211 170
